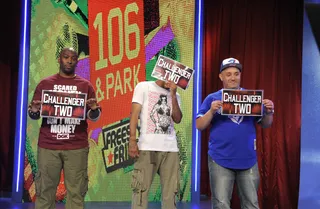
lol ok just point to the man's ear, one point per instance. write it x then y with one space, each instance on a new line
220 76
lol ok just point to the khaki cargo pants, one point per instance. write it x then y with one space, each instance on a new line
166 164
75 166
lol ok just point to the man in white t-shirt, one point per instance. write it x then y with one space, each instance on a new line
157 105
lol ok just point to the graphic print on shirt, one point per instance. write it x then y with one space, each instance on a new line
159 111
62 129
236 119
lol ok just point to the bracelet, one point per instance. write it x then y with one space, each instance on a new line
98 108
34 114
133 140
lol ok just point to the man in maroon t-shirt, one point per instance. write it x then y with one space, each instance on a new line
63 142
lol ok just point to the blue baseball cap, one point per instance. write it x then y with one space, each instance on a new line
230 62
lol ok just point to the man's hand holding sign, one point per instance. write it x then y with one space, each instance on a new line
34 109
94 108
269 106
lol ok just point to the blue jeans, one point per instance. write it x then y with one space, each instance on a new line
222 181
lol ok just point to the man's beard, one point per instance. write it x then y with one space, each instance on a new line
68 72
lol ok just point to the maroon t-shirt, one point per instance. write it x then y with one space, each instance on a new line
59 133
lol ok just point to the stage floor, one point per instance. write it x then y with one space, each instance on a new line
6 203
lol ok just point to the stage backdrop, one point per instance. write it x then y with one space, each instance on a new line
309 193
118 43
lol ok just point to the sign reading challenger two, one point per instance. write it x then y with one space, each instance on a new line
242 102
63 105
167 69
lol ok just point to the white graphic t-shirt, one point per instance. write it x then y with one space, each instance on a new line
157 127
